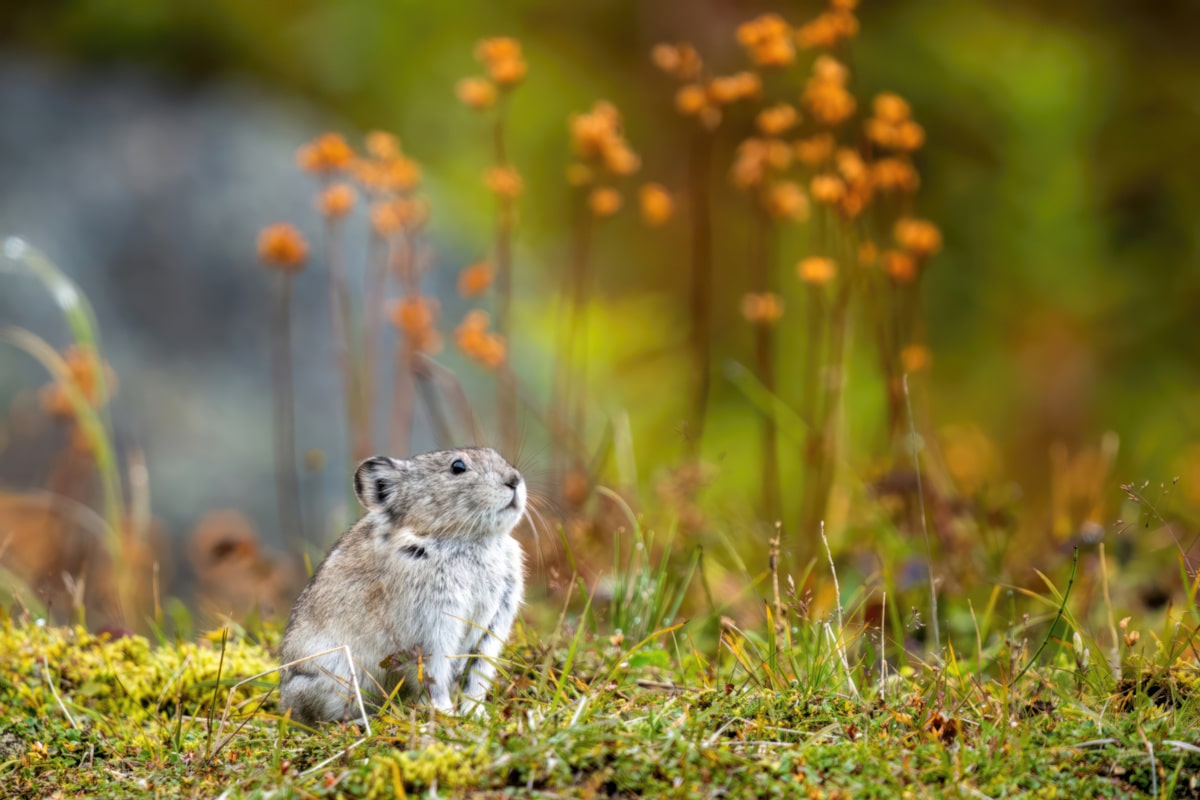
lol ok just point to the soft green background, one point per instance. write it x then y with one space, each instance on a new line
1059 166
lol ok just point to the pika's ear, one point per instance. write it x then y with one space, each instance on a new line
375 481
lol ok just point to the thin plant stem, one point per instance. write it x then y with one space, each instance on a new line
506 403
403 400
287 482
764 361
339 302
429 394
933 602
376 284
572 297
700 340
577 341
403 407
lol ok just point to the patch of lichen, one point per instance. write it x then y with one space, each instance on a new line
125 677
392 773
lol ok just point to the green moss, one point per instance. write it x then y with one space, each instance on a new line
393 772
126 676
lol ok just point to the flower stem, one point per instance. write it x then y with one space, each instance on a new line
506 404
700 339
287 483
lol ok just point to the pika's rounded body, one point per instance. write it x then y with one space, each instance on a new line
423 589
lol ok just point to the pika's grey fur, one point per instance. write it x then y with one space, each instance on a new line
424 588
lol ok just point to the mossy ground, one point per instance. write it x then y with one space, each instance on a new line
589 715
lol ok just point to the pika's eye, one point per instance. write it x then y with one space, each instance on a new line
458 467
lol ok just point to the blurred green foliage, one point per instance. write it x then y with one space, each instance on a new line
1057 165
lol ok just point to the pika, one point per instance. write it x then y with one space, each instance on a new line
423 589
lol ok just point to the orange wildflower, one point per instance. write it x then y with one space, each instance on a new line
416 316
593 131
762 309
382 145
827 30
829 69
915 358
326 153
900 266
748 85
815 150
476 93
890 107
336 201
919 237
859 188
690 99
891 127
895 175
816 270
656 203
604 201
828 103
851 165
777 119
827 189
508 73
749 164
680 61
768 40
402 174
385 219
503 181
497 48
281 245
502 57
475 279
786 200
620 159
473 338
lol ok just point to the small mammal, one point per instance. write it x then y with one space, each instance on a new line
424 588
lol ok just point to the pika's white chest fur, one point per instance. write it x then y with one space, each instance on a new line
423 593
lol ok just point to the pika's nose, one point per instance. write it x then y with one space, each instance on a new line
513 480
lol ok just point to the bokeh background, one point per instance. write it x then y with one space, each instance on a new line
143 145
